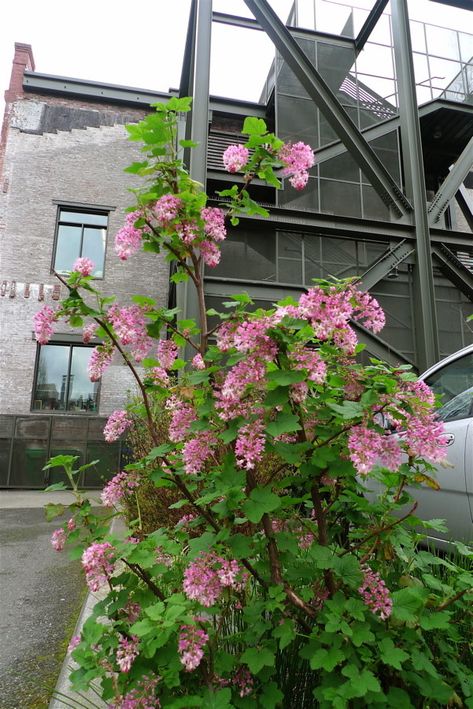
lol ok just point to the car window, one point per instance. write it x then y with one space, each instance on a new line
454 384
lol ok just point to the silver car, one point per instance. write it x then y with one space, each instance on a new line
452 378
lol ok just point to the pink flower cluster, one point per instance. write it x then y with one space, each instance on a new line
58 539
129 324
243 679
73 643
89 331
166 209
127 652
132 611
214 223
117 423
182 416
43 324
250 443
297 159
100 358
142 697
207 577
121 485
375 593
235 157
190 646
305 358
128 239
198 361
198 450
85 266
368 447
167 353
98 564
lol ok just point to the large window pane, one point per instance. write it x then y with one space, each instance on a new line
84 218
248 255
93 246
82 392
51 379
67 247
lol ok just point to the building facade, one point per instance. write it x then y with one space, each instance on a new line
389 201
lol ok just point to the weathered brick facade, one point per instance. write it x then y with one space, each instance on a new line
49 162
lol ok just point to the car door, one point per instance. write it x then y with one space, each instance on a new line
453 381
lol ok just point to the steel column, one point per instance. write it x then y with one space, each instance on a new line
466 205
449 187
331 108
411 145
370 24
385 264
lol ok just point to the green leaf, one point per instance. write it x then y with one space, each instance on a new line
348 569
257 658
261 501
283 423
52 510
217 700
156 611
159 451
285 377
54 487
188 144
392 655
407 603
361 681
271 696
202 543
254 126
143 627
285 632
326 659
66 461
435 621
240 545
347 410
292 453
136 167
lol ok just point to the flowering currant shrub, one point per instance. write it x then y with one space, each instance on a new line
284 583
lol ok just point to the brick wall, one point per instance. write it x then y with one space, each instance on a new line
41 169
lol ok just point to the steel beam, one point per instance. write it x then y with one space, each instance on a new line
426 330
370 24
385 264
454 269
330 107
466 205
452 183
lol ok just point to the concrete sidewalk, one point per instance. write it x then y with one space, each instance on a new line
32 499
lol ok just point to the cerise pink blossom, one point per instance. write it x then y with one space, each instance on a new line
120 486
89 331
197 451
167 353
127 652
367 447
98 563
206 578
210 253
190 646
43 324
198 361
128 240
214 223
297 159
249 446
129 324
167 208
58 539
85 266
182 416
375 593
235 157
310 360
99 360
118 422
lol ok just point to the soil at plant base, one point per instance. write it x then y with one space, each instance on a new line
41 596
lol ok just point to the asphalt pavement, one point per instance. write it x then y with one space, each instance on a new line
41 595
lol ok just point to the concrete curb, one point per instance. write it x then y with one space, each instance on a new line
63 695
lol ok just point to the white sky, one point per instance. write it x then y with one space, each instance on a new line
102 40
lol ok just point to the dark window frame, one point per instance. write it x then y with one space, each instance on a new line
83 211
72 342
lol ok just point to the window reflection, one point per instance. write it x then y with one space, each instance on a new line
62 382
80 234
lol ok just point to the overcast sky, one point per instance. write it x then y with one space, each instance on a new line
104 40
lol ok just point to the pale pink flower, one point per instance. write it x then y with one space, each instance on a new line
375 594
299 180
128 240
368 310
99 360
182 416
160 376
214 223
43 324
235 157
198 361
118 422
132 611
85 266
244 681
58 539
130 325
71 524
190 646
142 697
198 450
98 564
167 208
89 331
250 443
74 642
127 652
310 360
297 159
120 486
210 253
167 353
368 447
